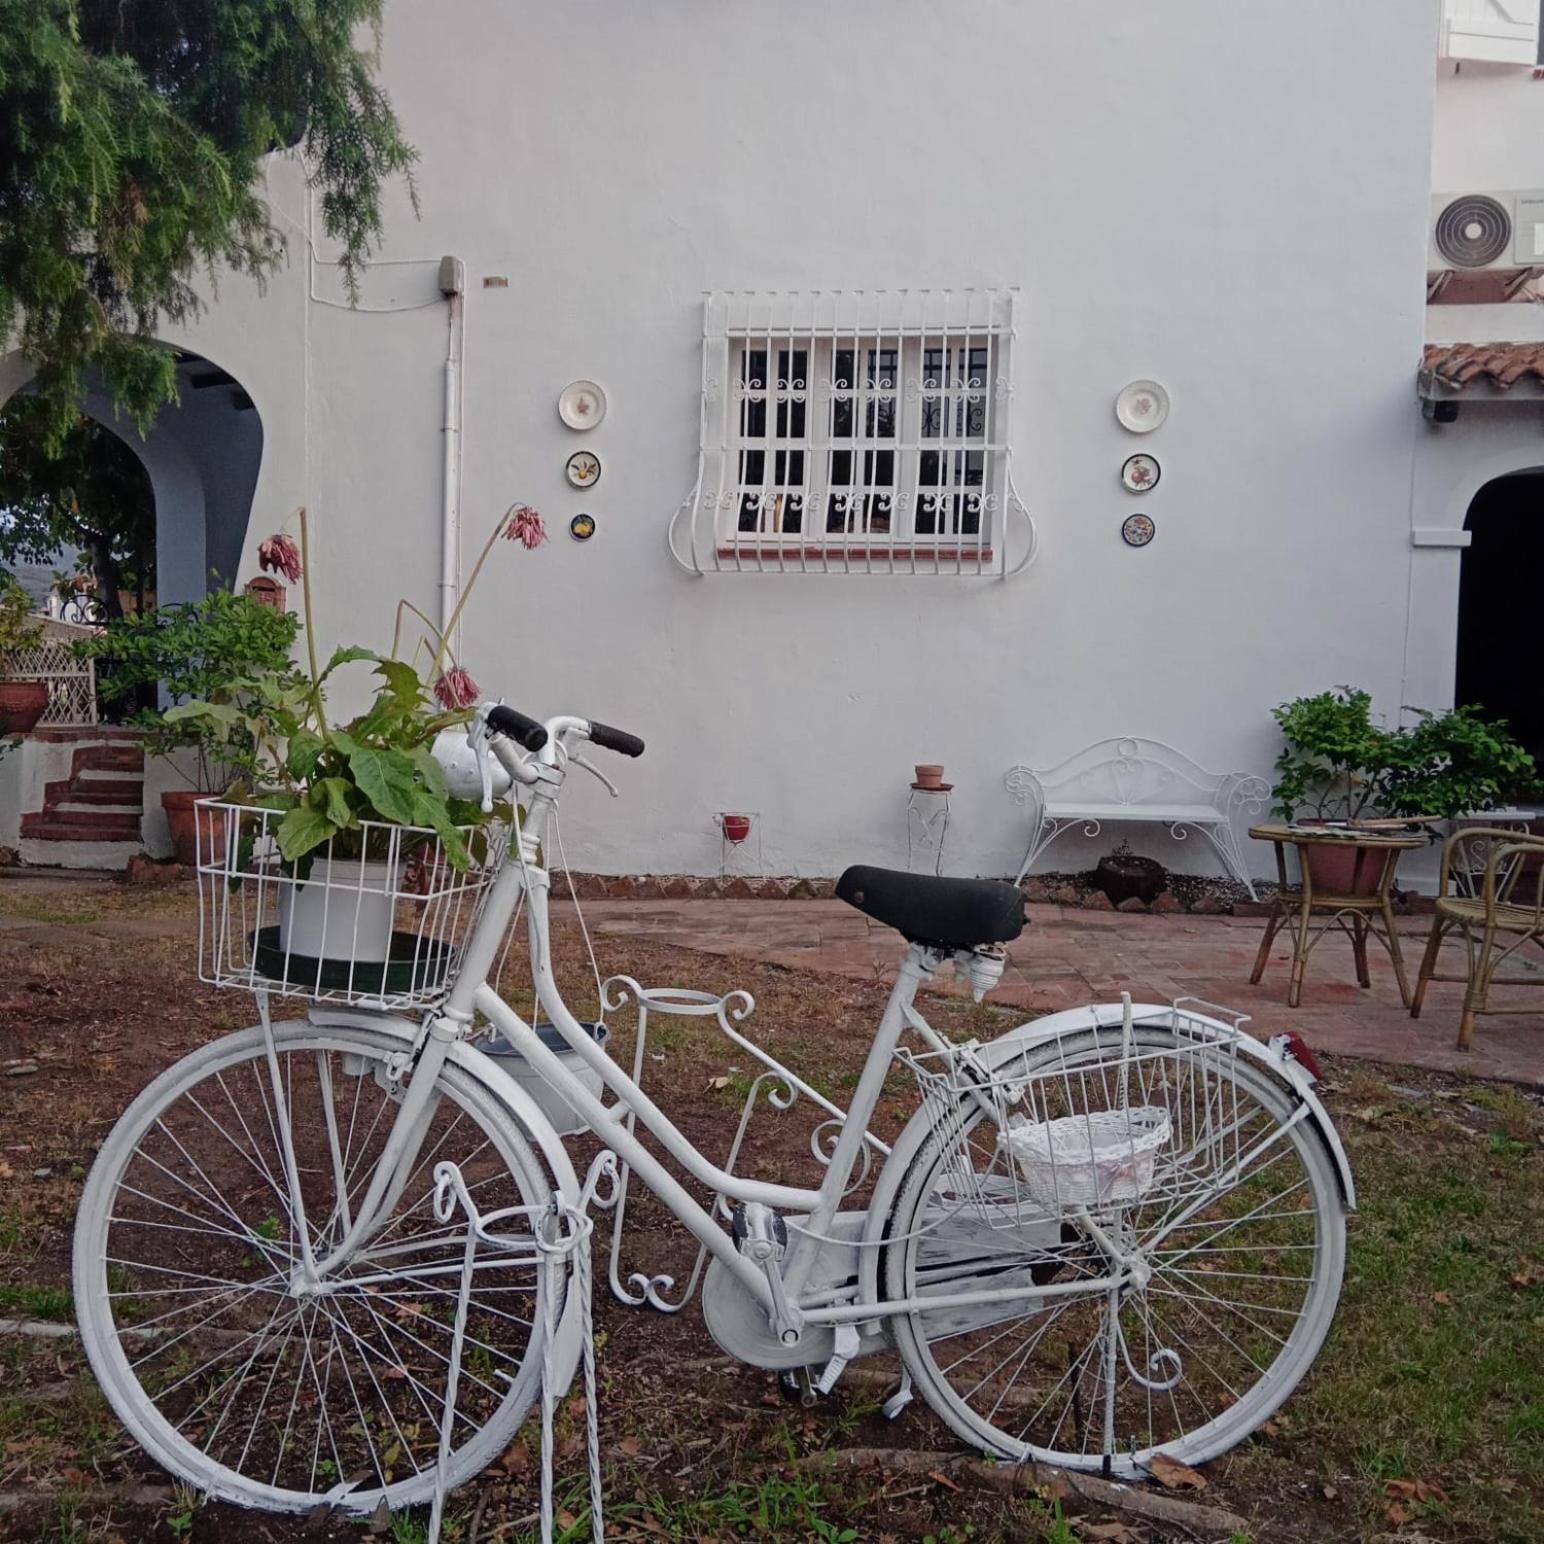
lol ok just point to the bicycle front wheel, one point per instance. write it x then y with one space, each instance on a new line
1242 1230
187 1238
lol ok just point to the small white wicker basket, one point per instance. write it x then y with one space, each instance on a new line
1089 1160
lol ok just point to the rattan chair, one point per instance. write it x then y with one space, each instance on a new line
1506 914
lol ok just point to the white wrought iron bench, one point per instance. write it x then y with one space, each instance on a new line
1129 779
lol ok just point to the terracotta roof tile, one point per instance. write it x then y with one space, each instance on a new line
1502 365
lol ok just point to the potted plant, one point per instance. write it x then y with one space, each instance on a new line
334 792
1342 770
193 651
1122 874
22 700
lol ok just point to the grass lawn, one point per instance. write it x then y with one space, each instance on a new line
1423 1419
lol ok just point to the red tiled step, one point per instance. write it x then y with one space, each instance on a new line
96 790
81 825
107 758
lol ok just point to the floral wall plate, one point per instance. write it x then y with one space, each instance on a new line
1137 530
1140 472
1142 406
583 469
581 404
582 527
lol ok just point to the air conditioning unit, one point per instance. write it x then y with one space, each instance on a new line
1475 231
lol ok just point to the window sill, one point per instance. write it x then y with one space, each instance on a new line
867 552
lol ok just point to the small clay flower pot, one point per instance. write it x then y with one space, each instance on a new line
930 774
737 827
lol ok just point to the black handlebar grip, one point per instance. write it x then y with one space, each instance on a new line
522 730
618 740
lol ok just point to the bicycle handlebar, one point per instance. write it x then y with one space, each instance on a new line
522 730
618 740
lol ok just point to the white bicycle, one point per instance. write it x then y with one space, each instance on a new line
1109 1234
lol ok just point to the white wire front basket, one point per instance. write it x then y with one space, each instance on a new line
1128 1113
379 915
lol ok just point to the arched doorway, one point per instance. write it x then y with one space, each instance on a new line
202 455
1498 605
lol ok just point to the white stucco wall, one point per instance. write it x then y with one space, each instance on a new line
1231 199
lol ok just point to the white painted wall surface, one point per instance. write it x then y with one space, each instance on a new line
1232 199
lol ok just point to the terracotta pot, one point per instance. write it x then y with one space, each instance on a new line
187 823
929 774
1123 875
22 704
737 827
1332 865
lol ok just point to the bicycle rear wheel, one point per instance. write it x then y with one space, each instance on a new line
185 1243
1243 1229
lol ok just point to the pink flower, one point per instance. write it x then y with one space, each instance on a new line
280 555
524 525
456 688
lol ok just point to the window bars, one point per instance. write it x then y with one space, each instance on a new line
377 915
855 432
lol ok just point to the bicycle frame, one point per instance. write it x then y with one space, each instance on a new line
521 879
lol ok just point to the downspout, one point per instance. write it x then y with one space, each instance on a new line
452 286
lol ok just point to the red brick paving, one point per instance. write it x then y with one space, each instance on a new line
1068 957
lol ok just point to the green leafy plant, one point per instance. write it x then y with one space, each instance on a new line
1339 764
18 630
134 158
194 651
333 783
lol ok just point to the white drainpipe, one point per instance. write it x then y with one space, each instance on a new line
452 286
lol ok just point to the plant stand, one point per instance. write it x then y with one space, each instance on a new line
1358 915
561 1234
728 846
927 825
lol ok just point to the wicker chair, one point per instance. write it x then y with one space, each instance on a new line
1506 914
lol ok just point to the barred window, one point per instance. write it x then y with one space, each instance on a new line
858 432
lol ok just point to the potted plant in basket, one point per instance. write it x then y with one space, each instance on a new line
22 700
1341 770
193 651
349 805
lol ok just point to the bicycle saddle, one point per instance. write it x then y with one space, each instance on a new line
951 913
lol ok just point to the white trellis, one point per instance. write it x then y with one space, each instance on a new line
72 695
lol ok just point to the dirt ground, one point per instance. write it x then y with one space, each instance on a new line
1423 1419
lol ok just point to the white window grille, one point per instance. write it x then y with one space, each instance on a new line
855 432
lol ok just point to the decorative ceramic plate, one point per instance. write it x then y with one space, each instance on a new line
583 469
581 404
1142 406
582 527
1137 530
1140 472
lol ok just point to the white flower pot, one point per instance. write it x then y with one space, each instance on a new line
343 911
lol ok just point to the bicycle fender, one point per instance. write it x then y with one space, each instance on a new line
1285 1068
536 1127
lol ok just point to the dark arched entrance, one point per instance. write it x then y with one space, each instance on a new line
1498 605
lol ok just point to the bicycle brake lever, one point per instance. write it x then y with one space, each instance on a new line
595 772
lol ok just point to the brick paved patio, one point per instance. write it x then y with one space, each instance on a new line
1068 957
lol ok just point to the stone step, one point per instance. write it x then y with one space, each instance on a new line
107 758
93 808
81 826
98 789
70 853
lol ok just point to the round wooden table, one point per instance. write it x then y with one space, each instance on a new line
1359 903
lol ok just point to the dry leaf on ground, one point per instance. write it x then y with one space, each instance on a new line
1173 1475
